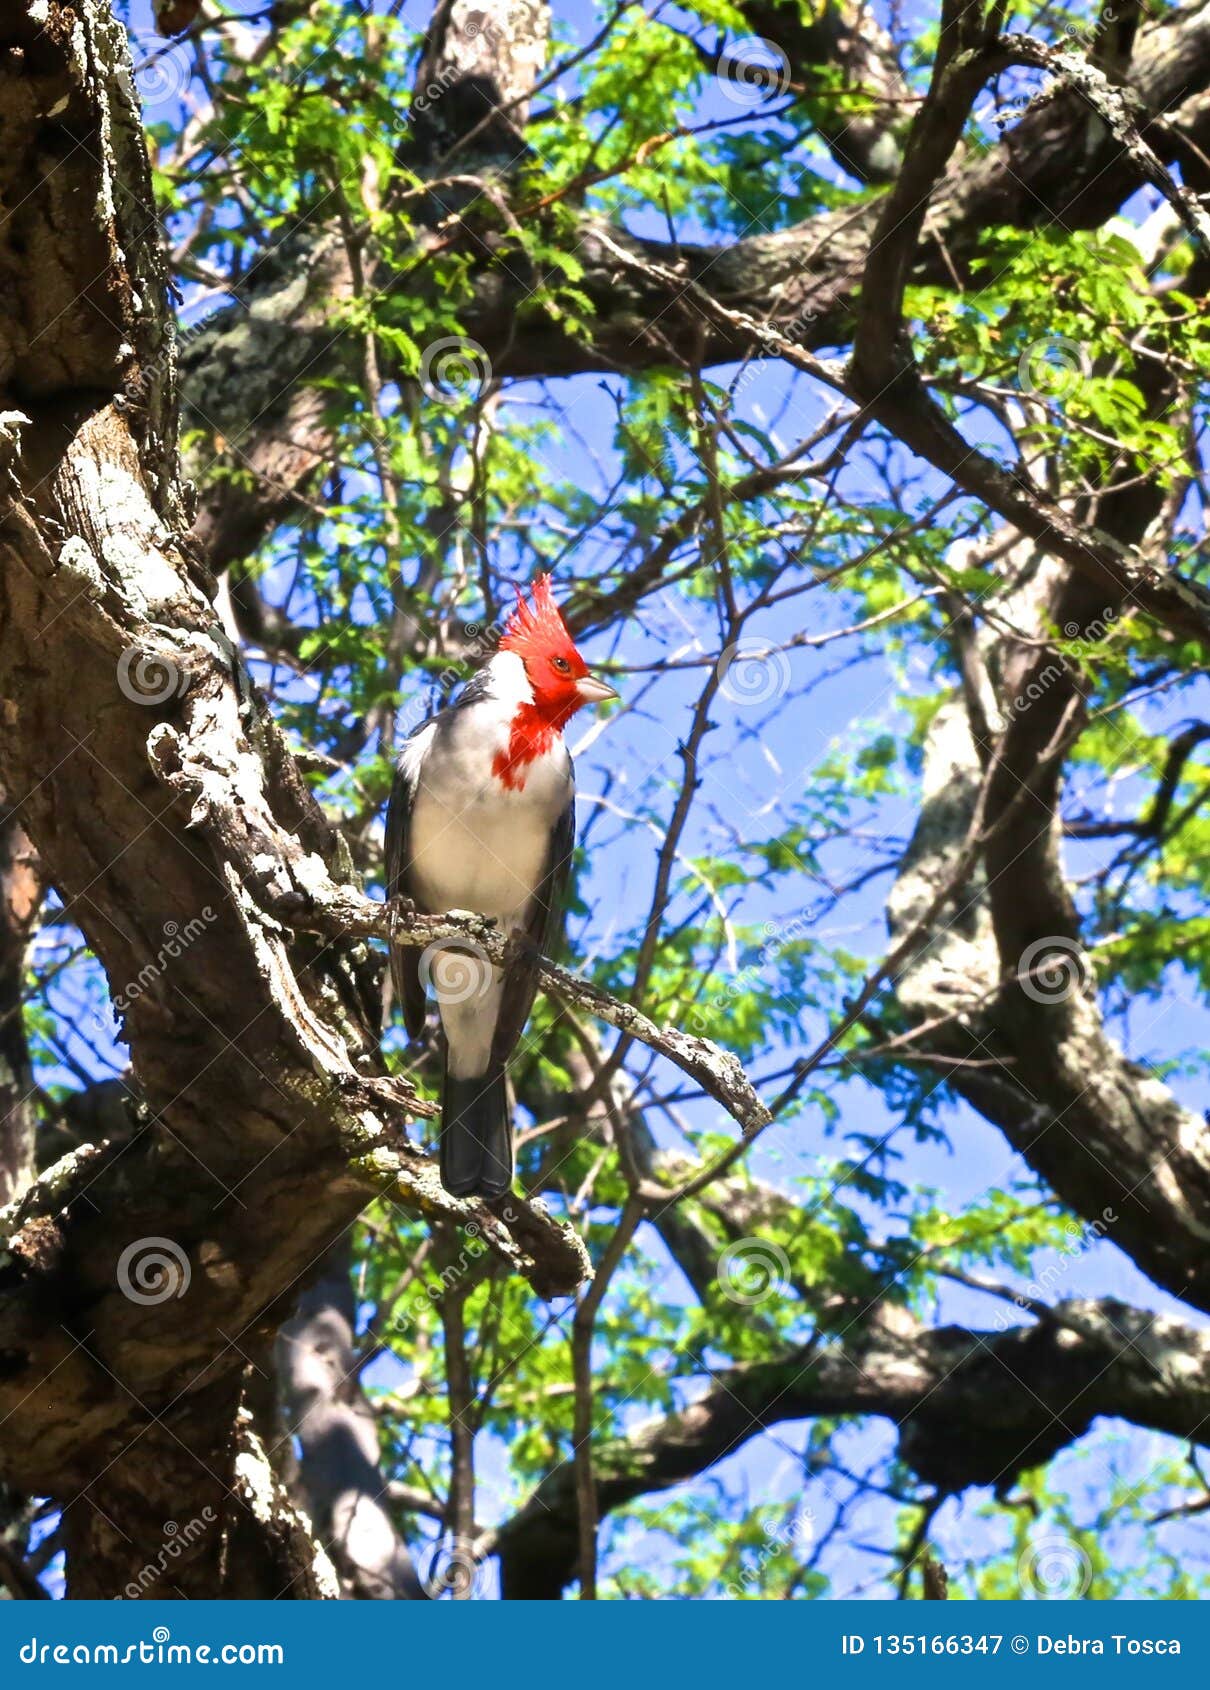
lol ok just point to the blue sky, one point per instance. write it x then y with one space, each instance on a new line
759 762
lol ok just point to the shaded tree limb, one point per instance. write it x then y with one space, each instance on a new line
971 1407
270 1122
246 371
342 1485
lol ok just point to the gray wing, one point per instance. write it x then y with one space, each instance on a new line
544 932
405 959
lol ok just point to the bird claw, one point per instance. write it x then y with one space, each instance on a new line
399 908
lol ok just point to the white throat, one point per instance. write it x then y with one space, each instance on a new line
509 683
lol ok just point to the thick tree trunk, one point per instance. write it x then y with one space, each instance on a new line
138 1277
193 1509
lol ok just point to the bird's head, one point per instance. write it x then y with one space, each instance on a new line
558 676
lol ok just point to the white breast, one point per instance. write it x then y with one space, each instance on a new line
475 843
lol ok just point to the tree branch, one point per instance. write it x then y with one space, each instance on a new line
971 1408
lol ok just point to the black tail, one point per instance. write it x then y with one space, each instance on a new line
476 1136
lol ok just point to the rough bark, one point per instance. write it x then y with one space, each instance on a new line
1103 1131
270 1124
1027 1048
20 903
193 1509
839 54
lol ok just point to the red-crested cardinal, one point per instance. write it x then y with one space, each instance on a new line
482 818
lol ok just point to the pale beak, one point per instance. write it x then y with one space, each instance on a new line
593 690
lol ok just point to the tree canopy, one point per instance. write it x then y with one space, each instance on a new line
846 369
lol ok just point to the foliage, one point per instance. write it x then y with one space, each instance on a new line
440 496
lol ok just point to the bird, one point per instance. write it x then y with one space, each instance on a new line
481 818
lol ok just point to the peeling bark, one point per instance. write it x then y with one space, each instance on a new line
270 1123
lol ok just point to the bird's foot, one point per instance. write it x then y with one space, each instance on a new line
400 908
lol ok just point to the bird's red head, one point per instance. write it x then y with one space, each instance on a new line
558 675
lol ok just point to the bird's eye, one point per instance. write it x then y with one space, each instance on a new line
562 665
